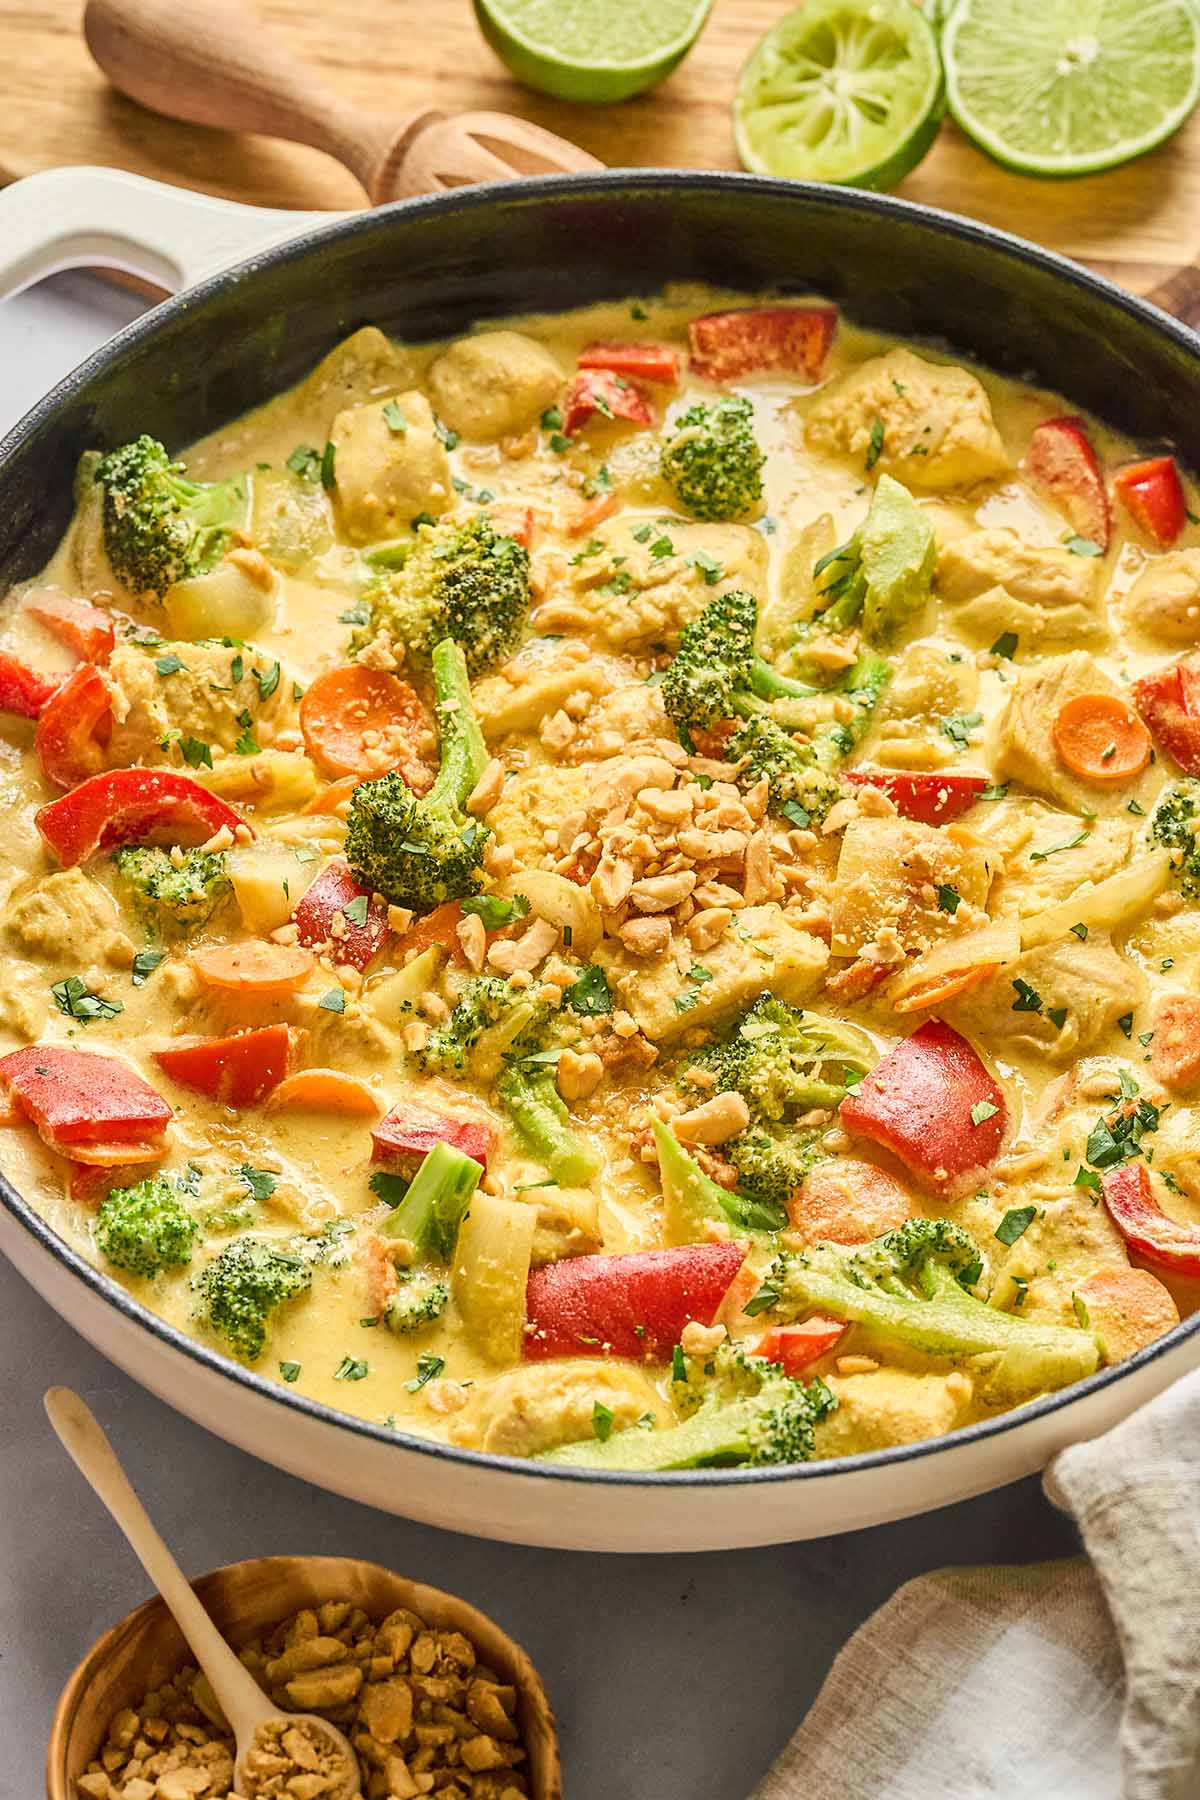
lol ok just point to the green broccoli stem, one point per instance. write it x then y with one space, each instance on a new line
438 1195
947 1322
692 1200
715 1434
463 752
766 683
532 1102
864 684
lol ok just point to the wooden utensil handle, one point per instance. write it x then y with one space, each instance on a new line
242 1700
216 64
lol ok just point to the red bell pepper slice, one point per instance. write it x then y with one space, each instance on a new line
795 1346
595 392
725 345
637 362
74 727
408 1133
927 1102
323 908
1129 1197
78 624
239 1070
932 799
1169 702
635 1305
1060 460
76 1097
132 806
24 691
1152 494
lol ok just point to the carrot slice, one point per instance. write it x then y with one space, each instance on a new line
254 967
361 721
335 795
593 513
1100 737
437 927
942 987
326 1090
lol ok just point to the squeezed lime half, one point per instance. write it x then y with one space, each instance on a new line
1069 87
848 91
596 51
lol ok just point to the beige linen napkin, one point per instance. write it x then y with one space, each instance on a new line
1075 1680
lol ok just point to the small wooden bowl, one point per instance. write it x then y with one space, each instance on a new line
146 1648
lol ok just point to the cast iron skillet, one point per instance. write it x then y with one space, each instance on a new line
432 267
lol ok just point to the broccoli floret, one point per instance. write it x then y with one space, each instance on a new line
146 1228
800 790
772 1164
465 582
716 673
712 460
418 1304
910 1287
248 1281
530 1098
489 1019
783 1060
692 1200
736 1409
437 1197
169 898
1175 825
423 852
159 527
878 579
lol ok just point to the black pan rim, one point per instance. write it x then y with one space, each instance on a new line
531 192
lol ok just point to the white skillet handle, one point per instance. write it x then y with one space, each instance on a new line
77 218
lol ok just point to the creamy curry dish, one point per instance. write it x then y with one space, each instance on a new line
621 890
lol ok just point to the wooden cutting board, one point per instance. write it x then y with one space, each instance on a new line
1138 224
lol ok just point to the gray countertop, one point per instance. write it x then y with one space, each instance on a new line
674 1678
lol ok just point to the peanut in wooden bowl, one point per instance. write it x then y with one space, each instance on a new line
146 1648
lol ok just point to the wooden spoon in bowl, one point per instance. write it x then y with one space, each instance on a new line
216 64
241 1699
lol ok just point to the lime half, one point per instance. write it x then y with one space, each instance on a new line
841 90
591 50
1066 87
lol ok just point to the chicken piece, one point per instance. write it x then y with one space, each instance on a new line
1067 1241
545 1404
1023 747
639 593
64 916
629 715
364 365
205 698
1175 1048
888 877
936 423
1080 990
532 806
389 465
1048 855
1164 601
494 384
1127 1309
539 680
763 954
891 1406
994 581
930 684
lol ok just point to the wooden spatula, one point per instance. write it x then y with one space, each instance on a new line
216 64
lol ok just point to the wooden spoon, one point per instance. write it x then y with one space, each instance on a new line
241 1699
215 64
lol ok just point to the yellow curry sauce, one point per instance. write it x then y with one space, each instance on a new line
650 859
